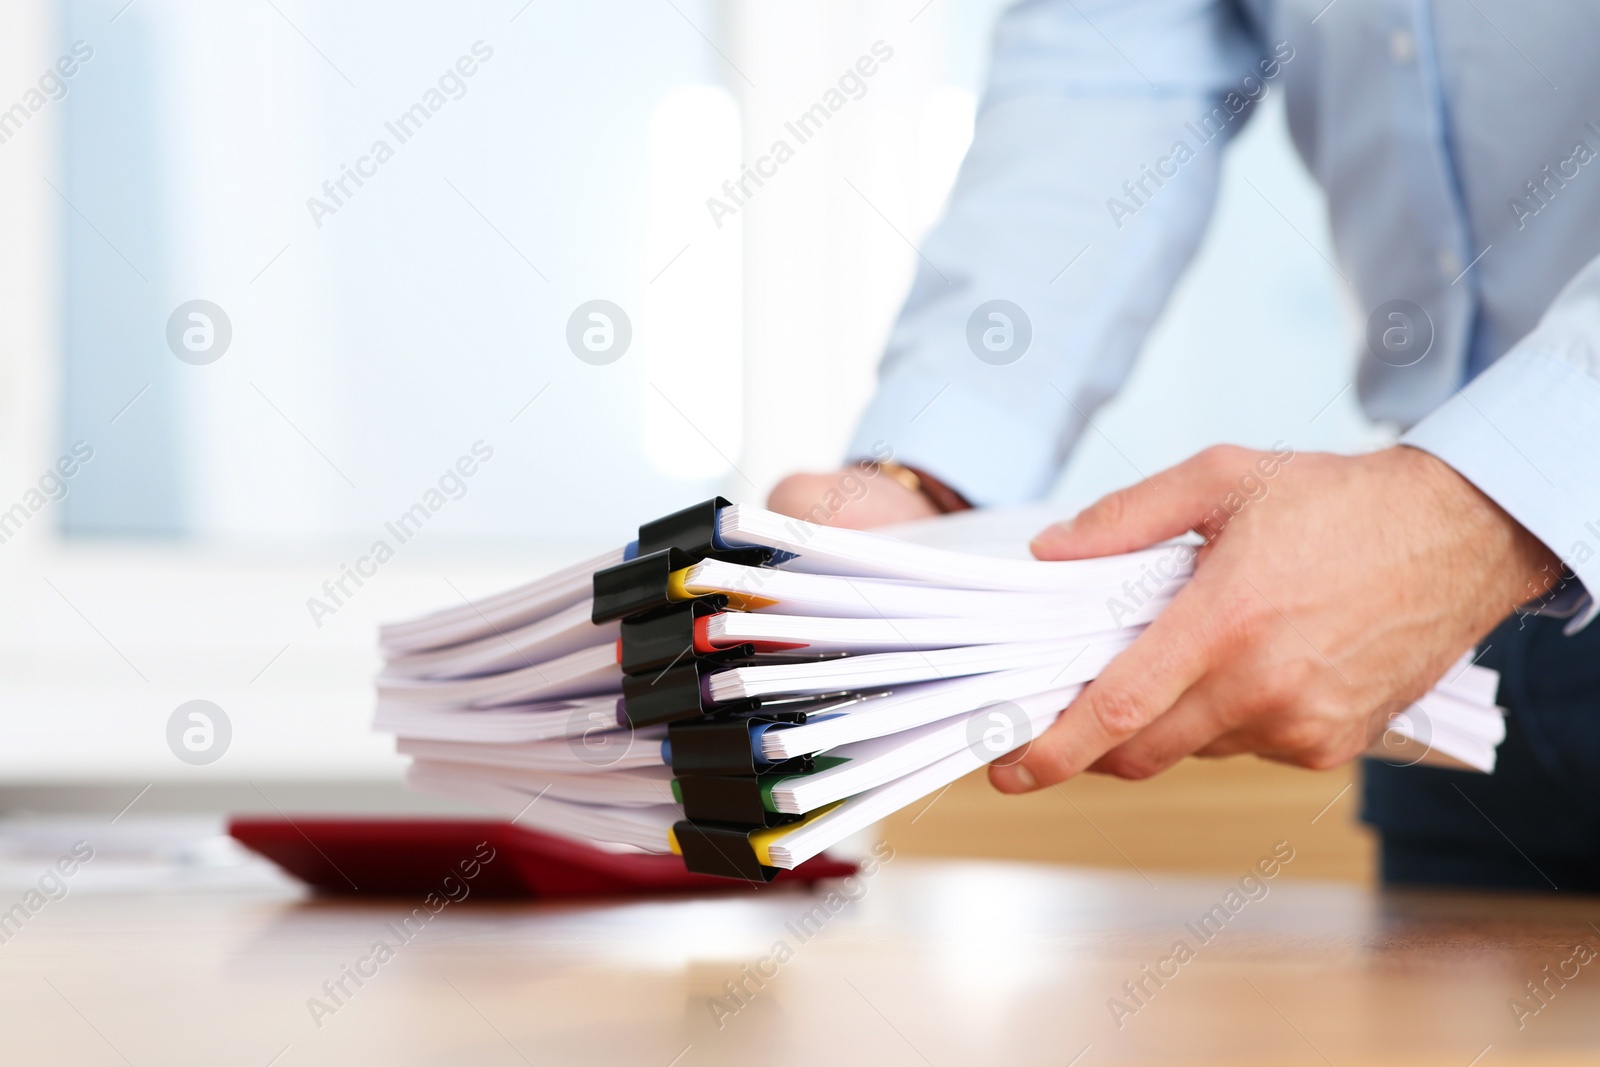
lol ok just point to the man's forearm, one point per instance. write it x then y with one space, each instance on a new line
1526 432
1061 244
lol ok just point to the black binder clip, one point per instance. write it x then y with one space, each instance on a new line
692 530
695 530
668 544
638 585
676 693
641 585
726 745
657 640
660 639
730 800
725 851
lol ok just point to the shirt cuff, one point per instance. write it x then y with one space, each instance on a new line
1526 432
990 454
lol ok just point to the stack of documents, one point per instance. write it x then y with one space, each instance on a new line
746 689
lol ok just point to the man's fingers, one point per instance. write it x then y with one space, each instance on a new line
1231 744
1177 500
1201 716
1307 741
1140 684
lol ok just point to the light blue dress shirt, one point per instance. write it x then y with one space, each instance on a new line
1458 143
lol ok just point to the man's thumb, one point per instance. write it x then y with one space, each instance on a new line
1172 502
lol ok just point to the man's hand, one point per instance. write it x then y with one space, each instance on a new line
858 497
1328 592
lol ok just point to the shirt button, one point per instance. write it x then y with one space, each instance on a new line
1449 263
1402 46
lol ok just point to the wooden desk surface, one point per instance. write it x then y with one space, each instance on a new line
935 962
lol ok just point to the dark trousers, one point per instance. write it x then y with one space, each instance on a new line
1534 824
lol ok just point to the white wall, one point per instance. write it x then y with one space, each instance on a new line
29 265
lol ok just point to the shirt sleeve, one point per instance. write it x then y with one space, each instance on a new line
1092 173
1527 432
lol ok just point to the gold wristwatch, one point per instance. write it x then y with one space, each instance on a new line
941 496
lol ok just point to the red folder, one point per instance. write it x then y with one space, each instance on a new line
412 857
